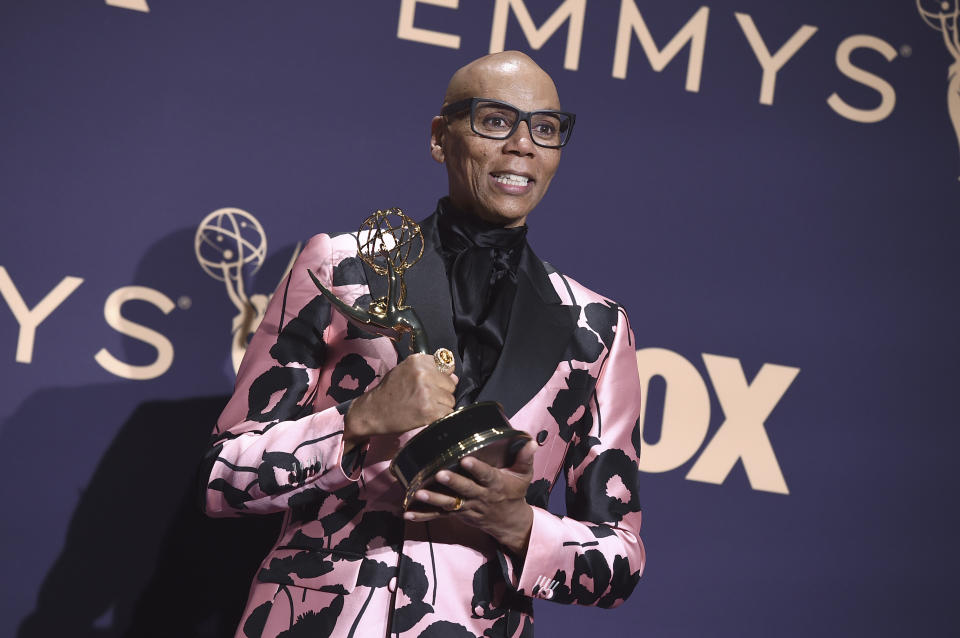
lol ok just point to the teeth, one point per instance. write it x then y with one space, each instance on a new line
512 180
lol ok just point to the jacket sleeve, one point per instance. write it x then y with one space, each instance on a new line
594 555
282 430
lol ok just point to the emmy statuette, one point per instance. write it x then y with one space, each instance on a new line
390 243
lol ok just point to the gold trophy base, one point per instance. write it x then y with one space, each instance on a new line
480 430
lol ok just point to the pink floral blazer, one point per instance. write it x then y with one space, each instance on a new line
346 563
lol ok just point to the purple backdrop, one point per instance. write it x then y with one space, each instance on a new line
775 207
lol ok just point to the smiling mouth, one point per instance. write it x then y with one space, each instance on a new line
510 179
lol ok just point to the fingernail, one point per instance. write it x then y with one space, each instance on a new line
443 477
408 516
422 496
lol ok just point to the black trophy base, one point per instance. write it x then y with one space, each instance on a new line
480 430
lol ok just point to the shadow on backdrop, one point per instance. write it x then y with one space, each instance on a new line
140 559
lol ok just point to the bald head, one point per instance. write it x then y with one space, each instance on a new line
499 180
510 70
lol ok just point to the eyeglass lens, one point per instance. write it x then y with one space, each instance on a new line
497 121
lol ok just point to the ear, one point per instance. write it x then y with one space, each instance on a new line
437 130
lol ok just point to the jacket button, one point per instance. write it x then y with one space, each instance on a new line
392 585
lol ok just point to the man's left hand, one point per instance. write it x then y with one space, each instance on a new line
495 500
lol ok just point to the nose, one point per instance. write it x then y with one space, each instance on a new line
520 143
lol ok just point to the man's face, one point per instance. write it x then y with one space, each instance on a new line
500 181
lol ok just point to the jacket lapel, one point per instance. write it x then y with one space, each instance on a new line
540 328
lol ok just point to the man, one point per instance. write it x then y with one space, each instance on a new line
320 409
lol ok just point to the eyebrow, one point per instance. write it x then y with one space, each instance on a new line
461 105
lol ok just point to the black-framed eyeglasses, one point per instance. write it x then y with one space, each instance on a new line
499 120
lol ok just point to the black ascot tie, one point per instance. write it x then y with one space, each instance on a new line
482 261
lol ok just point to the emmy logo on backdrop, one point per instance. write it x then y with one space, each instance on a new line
942 16
230 246
390 243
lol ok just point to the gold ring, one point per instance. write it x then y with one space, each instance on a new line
444 360
457 504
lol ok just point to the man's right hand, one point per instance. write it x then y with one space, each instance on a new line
412 394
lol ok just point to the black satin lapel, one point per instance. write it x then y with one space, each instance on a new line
540 328
429 293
